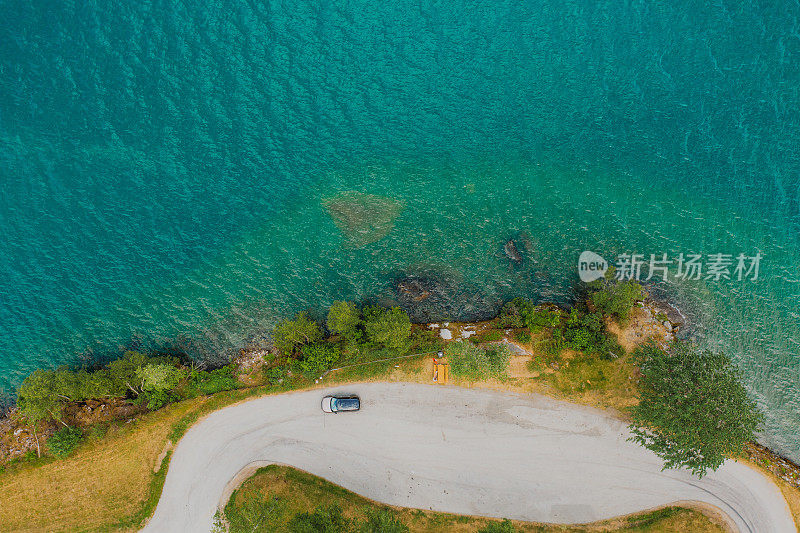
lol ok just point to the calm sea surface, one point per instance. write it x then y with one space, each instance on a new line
167 169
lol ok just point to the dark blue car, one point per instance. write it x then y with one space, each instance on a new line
336 404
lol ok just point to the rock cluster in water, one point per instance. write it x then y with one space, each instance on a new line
429 296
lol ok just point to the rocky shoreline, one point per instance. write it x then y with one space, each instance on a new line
652 318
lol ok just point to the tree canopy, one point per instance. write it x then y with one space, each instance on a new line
616 299
390 328
292 333
694 411
344 319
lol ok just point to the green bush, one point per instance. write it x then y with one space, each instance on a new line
316 358
514 314
64 441
475 362
214 381
522 336
159 377
616 299
586 332
693 411
390 328
158 398
344 319
275 374
290 334
545 318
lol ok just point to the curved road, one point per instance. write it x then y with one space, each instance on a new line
451 449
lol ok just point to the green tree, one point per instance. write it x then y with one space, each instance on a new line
37 399
390 328
321 520
499 527
159 377
64 441
344 319
158 384
122 373
616 299
289 334
693 411
515 313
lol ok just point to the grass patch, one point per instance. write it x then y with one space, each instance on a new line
476 362
270 500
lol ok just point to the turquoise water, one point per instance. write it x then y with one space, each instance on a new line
164 166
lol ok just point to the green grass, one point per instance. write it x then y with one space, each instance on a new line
477 362
274 495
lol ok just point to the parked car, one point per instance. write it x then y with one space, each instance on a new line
336 404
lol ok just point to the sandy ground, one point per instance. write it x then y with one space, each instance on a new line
445 448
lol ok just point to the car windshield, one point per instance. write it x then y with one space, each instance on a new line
343 404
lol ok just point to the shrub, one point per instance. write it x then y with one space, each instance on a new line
214 381
159 377
390 328
522 336
515 313
64 441
693 410
586 332
275 374
617 299
316 358
546 318
289 334
475 362
344 319
156 399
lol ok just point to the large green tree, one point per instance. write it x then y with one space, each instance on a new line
693 411
616 299
344 319
290 334
390 328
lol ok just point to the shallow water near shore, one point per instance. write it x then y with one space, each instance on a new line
165 171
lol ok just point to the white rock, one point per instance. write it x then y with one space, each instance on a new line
445 334
446 324
434 326
467 334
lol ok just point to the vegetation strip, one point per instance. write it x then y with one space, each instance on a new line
576 355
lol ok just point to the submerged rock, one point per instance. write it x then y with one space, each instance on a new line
518 247
362 218
431 296
511 251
